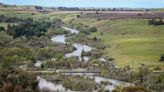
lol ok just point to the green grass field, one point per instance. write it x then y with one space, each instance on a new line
130 41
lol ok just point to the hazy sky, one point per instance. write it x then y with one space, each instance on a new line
90 3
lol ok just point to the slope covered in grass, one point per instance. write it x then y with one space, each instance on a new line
130 41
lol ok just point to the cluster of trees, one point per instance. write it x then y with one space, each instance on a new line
38 7
28 28
97 9
9 19
156 22
68 9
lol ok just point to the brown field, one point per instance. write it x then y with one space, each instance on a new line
123 15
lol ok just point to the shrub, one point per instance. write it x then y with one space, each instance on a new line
162 57
93 29
78 16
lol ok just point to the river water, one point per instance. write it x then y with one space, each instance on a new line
38 63
111 83
72 31
59 39
44 84
79 49
50 86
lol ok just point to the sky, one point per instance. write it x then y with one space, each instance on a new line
90 3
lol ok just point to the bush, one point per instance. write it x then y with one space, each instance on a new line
162 57
78 16
93 29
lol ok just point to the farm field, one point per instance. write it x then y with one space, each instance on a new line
124 14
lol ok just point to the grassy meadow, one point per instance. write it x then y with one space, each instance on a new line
130 41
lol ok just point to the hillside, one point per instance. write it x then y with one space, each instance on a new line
130 41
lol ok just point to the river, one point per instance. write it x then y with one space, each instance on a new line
79 49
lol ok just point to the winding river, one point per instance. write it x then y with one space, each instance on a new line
79 49
44 84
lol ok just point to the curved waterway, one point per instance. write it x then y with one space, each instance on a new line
44 84
79 49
